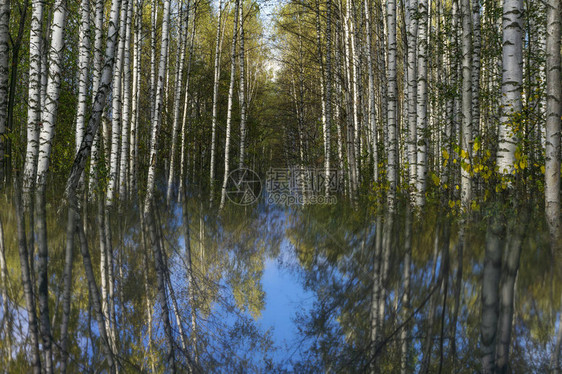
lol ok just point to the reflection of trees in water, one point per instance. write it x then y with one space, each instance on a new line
212 290
441 316
366 314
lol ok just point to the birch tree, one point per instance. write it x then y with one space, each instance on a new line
216 79
553 119
184 24
421 106
34 96
512 78
4 74
229 107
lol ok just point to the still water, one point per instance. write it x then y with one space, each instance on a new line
315 288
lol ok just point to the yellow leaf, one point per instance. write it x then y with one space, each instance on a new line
445 154
476 146
464 154
435 179
451 204
542 169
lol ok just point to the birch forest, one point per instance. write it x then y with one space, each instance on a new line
280 186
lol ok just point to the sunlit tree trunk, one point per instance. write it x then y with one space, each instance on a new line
153 66
328 95
553 119
116 111
125 120
177 98
83 67
34 97
186 101
242 92
421 105
218 40
229 108
371 106
157 118
412 36
476 47
49 113
97 70
392 156
135 105
466 129
512 78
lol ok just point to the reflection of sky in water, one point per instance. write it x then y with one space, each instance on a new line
284 296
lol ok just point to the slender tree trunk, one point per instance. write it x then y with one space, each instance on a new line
83 66
99 101
392 155
512 78
34 98
421 106
113 182
553 119
126 120
412 90
218 43
242 92
135 105
177 97
185 125
49 113
4 74
97 71
157 118
229 108
466 129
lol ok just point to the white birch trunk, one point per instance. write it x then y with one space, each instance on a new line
34 97
229 108
412 90
4 73
123 160
512 78
157 118
97 69
466 128
391 95
218 43
242 92
133 140
177 99
49 113
553 121
116 109
421 108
